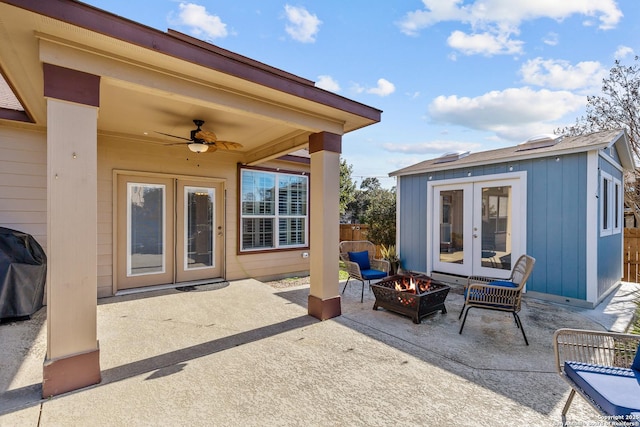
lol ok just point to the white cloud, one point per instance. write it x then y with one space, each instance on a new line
502 18
200 21
303 26
484 43
513 114
328 83
551 39
623 52
560 74
511 13
435 11
433 147
384 88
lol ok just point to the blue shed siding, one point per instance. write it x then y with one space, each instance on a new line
556 214
614 154
413 222
556 229
609 267
609 247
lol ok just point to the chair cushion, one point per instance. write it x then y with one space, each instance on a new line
636 361
615 390
372 274
360 258
504 283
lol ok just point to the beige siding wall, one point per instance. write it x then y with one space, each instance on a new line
134 156
23 196
23 181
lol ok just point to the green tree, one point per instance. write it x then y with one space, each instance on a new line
617 107
380 216
375 206
347 186
362 199
370 184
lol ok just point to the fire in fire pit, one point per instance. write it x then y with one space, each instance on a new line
412 295
412 284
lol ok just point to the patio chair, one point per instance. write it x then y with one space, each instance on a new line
604 368
359 259
499 294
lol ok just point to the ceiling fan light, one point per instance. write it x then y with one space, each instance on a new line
197 147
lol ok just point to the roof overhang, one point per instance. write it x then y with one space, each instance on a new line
153 81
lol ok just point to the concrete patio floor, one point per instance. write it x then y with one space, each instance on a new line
247 354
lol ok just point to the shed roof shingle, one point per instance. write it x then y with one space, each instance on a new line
567 145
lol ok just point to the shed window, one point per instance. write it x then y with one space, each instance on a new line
610 205
274 210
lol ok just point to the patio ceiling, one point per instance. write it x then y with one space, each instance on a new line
154 82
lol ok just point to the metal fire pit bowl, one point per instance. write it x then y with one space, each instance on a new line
428 298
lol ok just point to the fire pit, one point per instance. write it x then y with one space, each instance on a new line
414 295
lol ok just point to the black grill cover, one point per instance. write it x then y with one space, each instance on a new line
23 271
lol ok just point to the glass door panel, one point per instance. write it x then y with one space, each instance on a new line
198 228
452 242
146 239
497 215
452 226
144 231
199 219
495 230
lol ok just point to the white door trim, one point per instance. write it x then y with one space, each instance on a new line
520 185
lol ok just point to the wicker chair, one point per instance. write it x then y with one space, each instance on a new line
499 294
600 367
360 265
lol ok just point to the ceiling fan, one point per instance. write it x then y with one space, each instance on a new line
204 140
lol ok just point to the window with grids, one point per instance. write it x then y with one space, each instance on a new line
274 210
610 205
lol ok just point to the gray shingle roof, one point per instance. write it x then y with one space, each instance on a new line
567 145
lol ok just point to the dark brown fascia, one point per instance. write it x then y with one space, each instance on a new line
295 159
15 115
111 25
236 57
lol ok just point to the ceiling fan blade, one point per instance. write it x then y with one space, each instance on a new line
173 136
228 145
206 135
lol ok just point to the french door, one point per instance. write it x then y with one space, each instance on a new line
168 230
477 227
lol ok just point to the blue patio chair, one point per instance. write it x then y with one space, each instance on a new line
359 259
603 368
499 294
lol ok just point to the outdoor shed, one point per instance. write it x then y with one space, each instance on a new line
558 199
141 158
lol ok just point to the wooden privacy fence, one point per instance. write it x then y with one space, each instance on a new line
631 263
352 232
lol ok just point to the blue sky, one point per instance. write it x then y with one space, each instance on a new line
448 74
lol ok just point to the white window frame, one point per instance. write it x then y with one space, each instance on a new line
276 216
618 206
610 205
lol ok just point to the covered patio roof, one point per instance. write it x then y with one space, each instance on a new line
154 81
